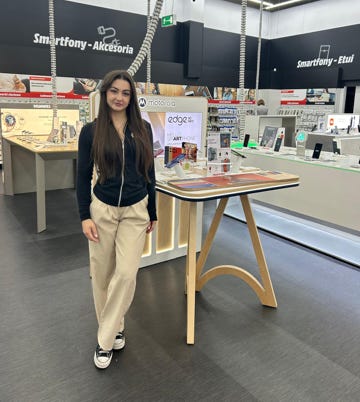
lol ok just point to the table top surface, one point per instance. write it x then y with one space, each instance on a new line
38 144
203 189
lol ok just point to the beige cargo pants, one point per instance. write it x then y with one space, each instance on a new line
114 263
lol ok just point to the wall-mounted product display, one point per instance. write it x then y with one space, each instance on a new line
223 116
307 118
311 106
36 86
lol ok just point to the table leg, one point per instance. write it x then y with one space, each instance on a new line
40 193
191 273
264 290
268 298
205 249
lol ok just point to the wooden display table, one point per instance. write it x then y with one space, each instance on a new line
35 149
204 189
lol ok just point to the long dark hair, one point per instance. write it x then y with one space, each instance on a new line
107 147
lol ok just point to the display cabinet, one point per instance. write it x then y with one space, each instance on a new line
329 187
255 125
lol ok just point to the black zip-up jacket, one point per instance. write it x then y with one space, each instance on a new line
134 188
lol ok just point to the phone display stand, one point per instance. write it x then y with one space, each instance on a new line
300 144
179 171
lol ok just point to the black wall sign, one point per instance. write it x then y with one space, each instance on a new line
93 40
324 59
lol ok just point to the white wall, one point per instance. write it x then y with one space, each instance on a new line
313 17
136 7
225 16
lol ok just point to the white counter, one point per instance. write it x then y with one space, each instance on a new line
328 191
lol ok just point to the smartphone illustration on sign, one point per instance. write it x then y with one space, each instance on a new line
317 150
324 51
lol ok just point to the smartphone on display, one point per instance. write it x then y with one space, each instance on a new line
278 144
175 161
336 150
246 140
317 150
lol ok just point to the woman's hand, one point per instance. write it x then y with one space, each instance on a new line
88 85
89 230
151 226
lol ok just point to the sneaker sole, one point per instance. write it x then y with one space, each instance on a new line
101 365
119 346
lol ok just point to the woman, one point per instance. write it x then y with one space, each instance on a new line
250 95
120 210
227 95
261 108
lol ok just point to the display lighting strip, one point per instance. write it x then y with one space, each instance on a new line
271 6
265 3
284 3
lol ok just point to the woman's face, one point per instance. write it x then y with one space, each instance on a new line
251 94
118 95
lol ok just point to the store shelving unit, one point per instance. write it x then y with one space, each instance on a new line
307 116
222 117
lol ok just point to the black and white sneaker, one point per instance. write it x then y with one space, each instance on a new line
119 342
102 358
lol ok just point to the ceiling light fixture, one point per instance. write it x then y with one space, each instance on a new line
283 3
265 3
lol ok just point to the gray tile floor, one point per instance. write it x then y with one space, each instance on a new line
305 350
328 240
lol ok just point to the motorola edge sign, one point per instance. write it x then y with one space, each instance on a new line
180 127
180 120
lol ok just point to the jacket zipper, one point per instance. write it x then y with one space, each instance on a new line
123 166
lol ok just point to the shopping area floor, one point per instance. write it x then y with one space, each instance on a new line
305 350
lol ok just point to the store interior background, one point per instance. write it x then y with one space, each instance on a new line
209 57
224 16
307 350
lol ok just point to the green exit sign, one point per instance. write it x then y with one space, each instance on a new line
168 20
